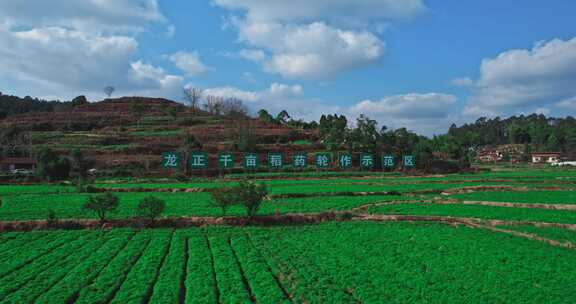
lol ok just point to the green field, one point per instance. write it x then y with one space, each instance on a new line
330 263
354 261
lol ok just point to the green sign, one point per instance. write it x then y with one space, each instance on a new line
226 160
408 161
171 160
275 160
199 160
323 160
250 161
345 160
367 161
388 161
300 160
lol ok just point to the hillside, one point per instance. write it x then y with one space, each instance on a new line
132 132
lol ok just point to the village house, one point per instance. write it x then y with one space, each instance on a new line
489 155
546 157
16 164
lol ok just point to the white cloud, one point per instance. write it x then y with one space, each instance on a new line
313 51
189 62
278 97
86 15
64 57
317 39
521 81
55 61
64 48
151 81
429 113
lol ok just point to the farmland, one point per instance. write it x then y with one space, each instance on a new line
330 263
511 240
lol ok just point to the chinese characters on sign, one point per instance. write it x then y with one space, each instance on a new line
323 160
250 161
199 160
300 160
367 161
408 161
226 160
275 160
387 161
345 160
170 160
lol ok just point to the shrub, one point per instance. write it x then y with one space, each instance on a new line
102 205
151 207
223 198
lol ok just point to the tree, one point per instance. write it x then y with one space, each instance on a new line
109 90
333 130
365 136
552 144
151 207
251 195
214 104
79 100
282 117
234 108
192 97
223 198
10 138
52 167
263 115
102 205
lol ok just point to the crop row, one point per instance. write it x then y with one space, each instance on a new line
329 263
35 278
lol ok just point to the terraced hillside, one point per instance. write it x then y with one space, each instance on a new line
132 132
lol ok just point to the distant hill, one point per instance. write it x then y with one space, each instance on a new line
132 132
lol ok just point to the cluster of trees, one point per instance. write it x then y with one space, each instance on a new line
13 105
540 132
284 119
248 194
149 208
215 105
54 167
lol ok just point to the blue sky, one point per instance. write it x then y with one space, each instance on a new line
420 64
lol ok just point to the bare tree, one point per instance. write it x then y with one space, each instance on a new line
109 90
234 107
192 97
213 104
